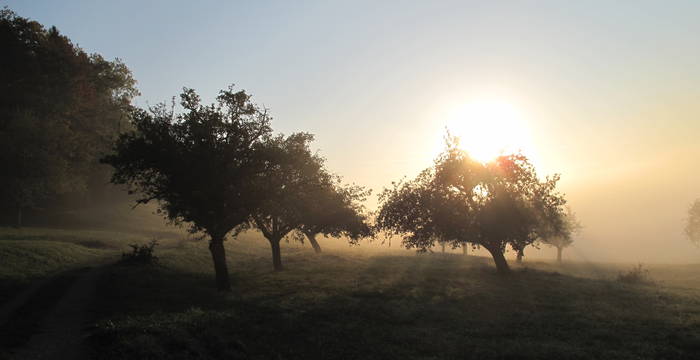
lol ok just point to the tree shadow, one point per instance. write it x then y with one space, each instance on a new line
404 307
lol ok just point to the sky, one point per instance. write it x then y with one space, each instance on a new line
607 93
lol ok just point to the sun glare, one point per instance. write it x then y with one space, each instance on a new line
489 128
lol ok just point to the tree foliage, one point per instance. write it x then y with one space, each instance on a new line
202 166
293 175
336 210
564 237
692 223
460 200
302 196
60 108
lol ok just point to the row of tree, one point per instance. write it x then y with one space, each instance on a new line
220 169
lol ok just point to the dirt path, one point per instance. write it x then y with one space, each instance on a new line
8 309
62 332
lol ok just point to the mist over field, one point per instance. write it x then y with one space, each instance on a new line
349 180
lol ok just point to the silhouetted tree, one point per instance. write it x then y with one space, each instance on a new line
491 205
563 237
60 109
336 211
292 179
202 166
546 229
692 224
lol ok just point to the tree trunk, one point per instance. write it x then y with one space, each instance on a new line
464 249
314 243
19 217
276 254
443 247
500 260
521 253
559 250
218 254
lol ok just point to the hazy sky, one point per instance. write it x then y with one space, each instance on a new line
609 91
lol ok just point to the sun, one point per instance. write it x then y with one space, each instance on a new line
489 128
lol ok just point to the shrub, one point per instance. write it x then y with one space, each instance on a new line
636 275
141 254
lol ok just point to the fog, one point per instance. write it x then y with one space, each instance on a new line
341 179
608 93
640 214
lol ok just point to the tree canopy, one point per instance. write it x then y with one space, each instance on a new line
460 200
203 166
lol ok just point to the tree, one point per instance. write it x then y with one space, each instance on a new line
692 225
465 248
336 211
490 205
36 165
563 237
60 108
520 255
201 166
558 231
293 177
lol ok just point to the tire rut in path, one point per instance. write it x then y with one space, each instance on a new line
63 331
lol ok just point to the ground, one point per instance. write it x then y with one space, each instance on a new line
365 302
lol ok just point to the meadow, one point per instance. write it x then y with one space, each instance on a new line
367 301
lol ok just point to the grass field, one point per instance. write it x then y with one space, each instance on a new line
29 255
365 302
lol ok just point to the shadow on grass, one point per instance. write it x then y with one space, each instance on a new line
25 320
389 307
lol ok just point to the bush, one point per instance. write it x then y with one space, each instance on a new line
637 275
141 254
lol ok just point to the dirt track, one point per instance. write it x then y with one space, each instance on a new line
53 328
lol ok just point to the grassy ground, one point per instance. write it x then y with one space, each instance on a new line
374 303
389 305
29 255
